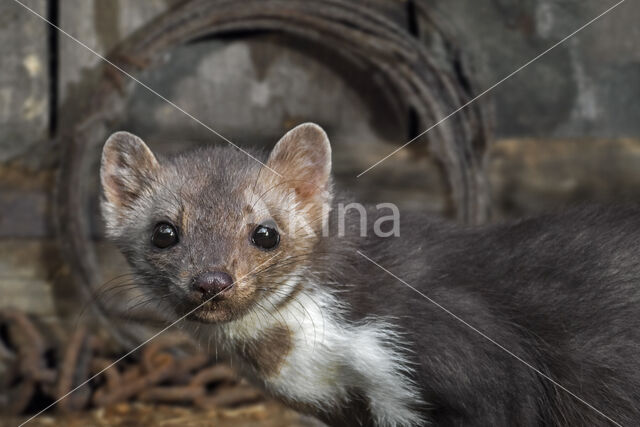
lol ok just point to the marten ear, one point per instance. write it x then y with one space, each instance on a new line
127 170
303 158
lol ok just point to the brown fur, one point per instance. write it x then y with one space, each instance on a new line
267 353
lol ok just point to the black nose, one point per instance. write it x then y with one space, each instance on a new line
212 283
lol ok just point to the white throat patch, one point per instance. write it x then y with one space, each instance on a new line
330 357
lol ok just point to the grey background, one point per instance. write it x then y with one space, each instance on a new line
567 127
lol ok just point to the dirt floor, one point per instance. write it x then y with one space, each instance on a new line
266 414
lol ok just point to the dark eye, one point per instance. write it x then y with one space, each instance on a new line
265 237
164 235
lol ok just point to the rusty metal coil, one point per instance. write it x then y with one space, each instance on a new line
80 372
352 29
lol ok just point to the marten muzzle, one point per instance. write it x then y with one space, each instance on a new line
212 284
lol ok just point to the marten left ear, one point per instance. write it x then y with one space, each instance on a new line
303 158
128 172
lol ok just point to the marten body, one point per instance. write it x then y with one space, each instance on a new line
530 323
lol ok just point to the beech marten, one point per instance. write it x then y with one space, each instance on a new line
530 323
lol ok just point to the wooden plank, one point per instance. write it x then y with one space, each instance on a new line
100 25
24 278
25 259
34 279
24 201
24 214
535 175
31 296
24 81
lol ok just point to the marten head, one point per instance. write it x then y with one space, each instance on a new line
215 231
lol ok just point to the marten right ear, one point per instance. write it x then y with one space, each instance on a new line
303 158
127 170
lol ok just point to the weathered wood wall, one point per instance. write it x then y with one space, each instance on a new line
567 128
